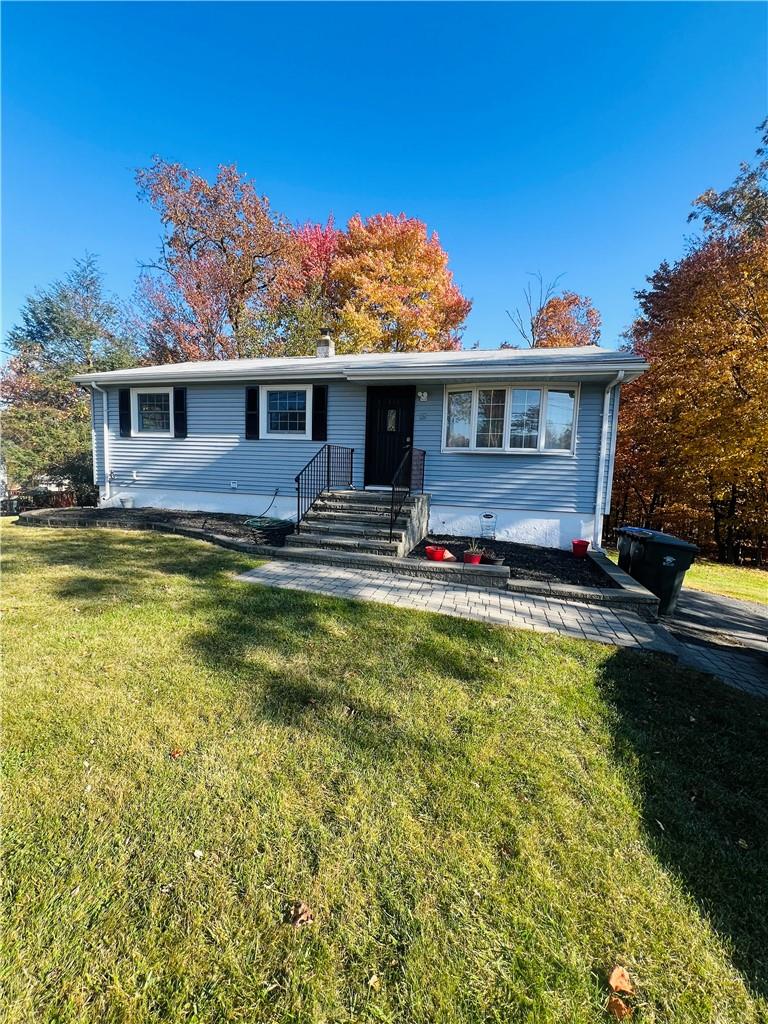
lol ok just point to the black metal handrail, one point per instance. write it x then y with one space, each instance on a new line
330 467
408 479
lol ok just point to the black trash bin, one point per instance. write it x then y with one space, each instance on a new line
628 538
657 560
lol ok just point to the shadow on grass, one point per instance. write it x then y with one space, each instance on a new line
319 684
696 755
116 565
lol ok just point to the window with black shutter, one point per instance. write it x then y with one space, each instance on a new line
124 406
179 412
320 412
252 414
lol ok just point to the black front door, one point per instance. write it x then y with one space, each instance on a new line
388 431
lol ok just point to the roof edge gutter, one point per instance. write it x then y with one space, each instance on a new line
362 375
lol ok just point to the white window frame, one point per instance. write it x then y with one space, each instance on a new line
509 388
135 392
284 435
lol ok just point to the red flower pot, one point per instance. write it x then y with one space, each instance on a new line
580 548
435 554
473 557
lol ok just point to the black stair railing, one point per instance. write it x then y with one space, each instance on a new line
330 467
408 479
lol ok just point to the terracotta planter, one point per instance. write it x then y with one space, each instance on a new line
580 548
473 557
435 554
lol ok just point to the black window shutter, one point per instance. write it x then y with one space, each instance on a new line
124 406
320 412
252 414
179 412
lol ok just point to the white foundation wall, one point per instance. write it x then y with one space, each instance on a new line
245 504
523 526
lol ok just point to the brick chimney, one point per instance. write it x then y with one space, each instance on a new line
325 344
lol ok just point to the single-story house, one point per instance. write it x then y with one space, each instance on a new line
526 436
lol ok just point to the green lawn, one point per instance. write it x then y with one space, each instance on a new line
484 822
729 580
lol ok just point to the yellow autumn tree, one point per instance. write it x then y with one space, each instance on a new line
392 288
693 441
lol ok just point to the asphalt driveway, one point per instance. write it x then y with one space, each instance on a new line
723 636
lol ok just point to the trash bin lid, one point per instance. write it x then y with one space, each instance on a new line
658 537
635 531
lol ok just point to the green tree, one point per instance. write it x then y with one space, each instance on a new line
71 327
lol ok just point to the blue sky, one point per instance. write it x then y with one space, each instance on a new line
561 138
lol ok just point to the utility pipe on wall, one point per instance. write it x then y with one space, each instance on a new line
597 535
105 428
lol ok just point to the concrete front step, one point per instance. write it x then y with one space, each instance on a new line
360 520
334 499
353 528
361 497
344 509
338 543
350 519
343 518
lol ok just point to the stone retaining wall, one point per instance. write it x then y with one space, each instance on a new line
628 594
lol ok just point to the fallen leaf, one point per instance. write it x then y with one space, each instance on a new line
176 753
620 981
617 1008
198 855
743 844
374 983
300 914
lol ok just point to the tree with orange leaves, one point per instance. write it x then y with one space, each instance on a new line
551 320
235 279
693 440
394 291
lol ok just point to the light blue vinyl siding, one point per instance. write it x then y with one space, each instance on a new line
215 453
552 483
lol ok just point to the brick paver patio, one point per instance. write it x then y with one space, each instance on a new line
543 615
740 668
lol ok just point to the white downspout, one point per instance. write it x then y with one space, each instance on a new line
105 428
597 535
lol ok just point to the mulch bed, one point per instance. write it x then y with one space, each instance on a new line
222 523
527 561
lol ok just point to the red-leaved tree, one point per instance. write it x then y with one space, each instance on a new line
224 258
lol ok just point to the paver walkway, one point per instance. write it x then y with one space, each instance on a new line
544 615
701 620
